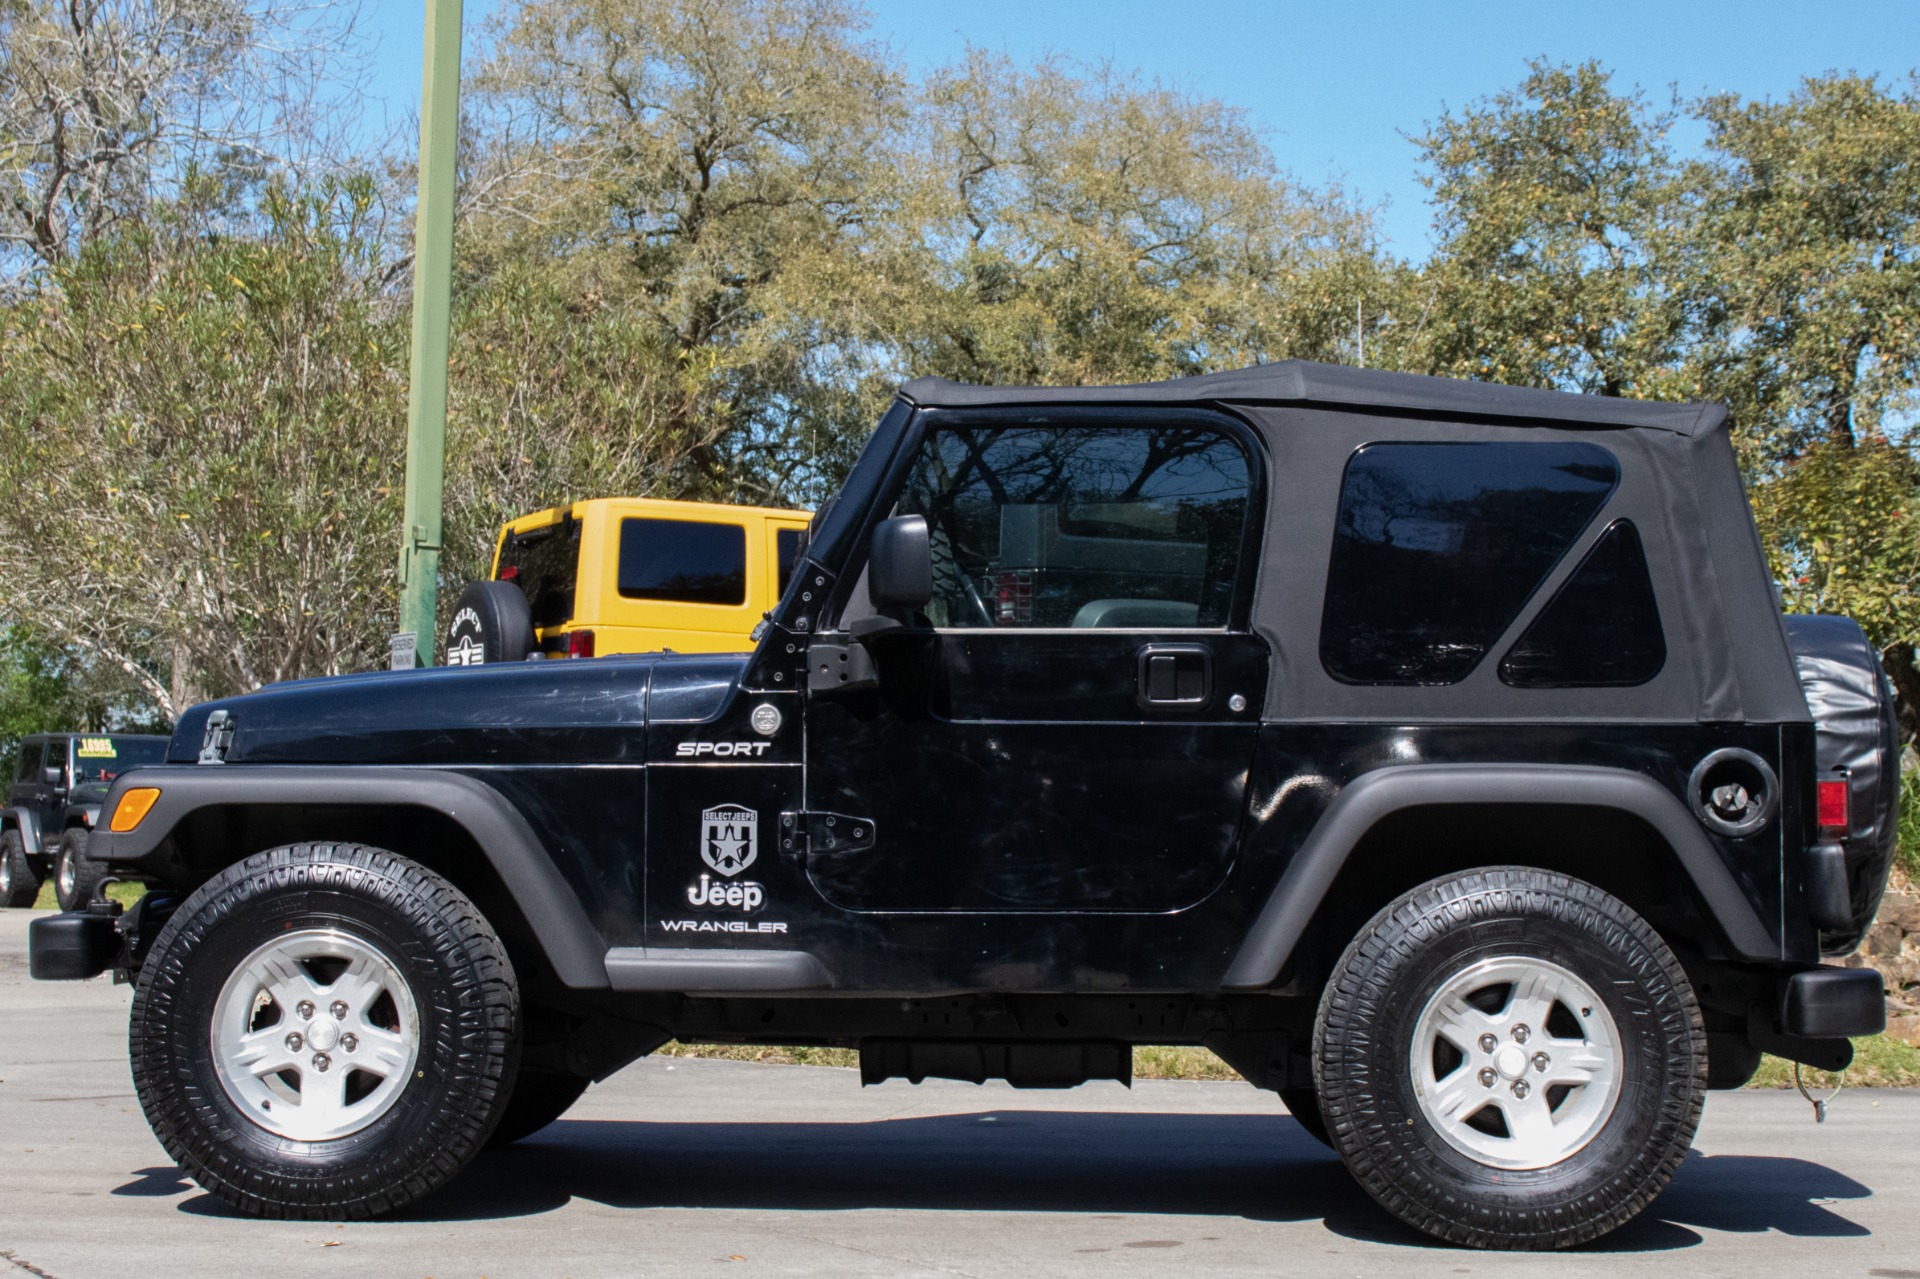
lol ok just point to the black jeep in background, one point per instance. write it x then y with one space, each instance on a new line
1433 752
59 780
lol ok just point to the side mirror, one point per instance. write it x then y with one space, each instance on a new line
900 563
52 776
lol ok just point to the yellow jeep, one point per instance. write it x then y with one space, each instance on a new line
627 575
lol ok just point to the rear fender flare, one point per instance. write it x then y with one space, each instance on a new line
572 945
1364 802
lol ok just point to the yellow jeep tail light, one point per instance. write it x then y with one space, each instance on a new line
132 808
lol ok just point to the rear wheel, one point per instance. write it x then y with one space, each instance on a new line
1510 1059
325 1031
19 879
75 875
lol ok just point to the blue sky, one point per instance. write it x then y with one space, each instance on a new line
1333 87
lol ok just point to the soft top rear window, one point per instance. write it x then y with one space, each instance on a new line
1437 547
545 563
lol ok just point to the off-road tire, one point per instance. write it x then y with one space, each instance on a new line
539 1098
462 986
1364 1035
75 875
1304 1105
19 877
492 622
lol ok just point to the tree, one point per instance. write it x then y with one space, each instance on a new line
1808 275
108 107
203 440
699 168
1085 227
1560 217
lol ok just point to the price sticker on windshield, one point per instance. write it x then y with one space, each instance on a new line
96 748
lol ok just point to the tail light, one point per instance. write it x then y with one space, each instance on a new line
579 643
1012 599
1831 804
510 572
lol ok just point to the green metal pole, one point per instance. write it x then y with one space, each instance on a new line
432 300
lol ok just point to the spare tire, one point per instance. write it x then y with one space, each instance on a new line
491 623
1856 736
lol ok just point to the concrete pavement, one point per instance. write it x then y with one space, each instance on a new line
678 1167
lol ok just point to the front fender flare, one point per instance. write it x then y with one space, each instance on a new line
560 924
27 822
1373 796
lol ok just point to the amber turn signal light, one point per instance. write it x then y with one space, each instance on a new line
132 808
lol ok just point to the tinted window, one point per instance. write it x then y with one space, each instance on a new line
546 564
101 759
683 561
30 755
1438 546
1099 526
1602 628
787 543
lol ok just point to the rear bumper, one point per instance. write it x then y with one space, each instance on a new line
1833 1003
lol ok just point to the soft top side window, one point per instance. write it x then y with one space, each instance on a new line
1601 629
1437 548
1109 526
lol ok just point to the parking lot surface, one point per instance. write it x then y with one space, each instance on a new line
676 1167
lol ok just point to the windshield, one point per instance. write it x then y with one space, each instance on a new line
101 759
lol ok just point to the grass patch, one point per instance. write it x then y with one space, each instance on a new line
124 893
1878 1062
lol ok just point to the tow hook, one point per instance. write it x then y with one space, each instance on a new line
1819 1103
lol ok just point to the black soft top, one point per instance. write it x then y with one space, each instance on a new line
1304 382
1727 655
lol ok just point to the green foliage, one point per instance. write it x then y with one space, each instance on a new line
1908 852
203 439
42 690
1559 214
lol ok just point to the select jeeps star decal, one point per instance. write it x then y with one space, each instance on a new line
728 840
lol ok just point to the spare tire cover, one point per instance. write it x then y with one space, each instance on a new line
1855 729
491 623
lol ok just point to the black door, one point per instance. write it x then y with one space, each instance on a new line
1068 726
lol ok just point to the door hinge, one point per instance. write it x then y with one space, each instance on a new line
804 833
838 663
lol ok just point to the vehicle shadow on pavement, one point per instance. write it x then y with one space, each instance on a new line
1258 1167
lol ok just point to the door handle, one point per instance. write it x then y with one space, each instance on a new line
1175 677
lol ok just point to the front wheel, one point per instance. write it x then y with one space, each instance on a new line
1510 1059
19 881
325 1031
75 875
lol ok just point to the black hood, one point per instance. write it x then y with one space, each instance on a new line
550 712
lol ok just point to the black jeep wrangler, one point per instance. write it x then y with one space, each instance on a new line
1435 753
59 781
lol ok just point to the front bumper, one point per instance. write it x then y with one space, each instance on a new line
72 946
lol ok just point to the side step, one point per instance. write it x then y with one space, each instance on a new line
1022 1064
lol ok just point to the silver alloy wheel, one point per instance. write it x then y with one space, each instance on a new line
1516 1062
6 875
68 872
315 1035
